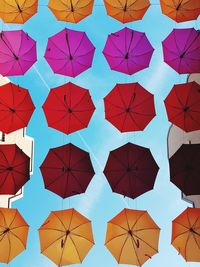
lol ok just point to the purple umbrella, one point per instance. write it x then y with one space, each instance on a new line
128 51
181 50
17 52
69 52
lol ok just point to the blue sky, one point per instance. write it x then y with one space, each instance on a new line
99 204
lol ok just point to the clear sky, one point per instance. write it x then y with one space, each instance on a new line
99 204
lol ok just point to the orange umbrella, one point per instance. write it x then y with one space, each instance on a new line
126 10
132 237
13 234
66 237
181 10
17 11
186 234
71 10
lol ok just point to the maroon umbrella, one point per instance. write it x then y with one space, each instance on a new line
181 50
129 107
185 169
67 170
14 169
131 170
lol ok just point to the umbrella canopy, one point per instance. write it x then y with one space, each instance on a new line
132 237
14 169
129 107
180 10
18 52
183 106
186 234
128 51
66 237
181 50
16 108
17 11
13 234
185 169
126 10
71 10
69 52
67 170
131 170
68 108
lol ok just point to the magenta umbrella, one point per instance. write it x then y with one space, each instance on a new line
128 51
181 50
69 52
17 52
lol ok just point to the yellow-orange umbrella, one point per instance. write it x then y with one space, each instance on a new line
13 234
17 11
186 234
132 237
71 10
181 10
126 10
66 237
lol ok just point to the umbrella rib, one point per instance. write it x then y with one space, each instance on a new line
115 237
42 251
13 219
135 251
72 215
122 249
186 246
18 238
59 220
82 237
4 219
145 242
119 180
116 47
78 46
135 122
78 182
3 182
72 229
76 249
55 180
118 225
9 251
137 220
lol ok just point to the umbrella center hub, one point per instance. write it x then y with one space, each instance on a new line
69 110
128 169
6 231
126 56
130 232
192 230
186 109
67 232
182 55
9 168
128 110
178 6
12 110
70 57
66 169
125 7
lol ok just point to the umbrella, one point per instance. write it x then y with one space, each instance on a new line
129 107
17 11
185 169
66 237
181 10
71 10
132 237
126 10
186 234
128 51
181 50
67 170
69 52
131 170
14 169
16 108
68 108
13 234
183 106
17 52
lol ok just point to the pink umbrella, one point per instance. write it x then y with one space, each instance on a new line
181 50
17 52
69 52
128 51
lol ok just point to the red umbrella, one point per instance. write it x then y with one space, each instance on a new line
68 108
67 170
14 169
131 170
129 107
183 106
16 108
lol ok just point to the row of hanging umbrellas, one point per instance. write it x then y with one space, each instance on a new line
73 11
66 236
70 52
129 107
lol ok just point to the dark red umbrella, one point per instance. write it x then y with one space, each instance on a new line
14 169
183 106
129 107
67 170
68 108
185 169
16 108
131 170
